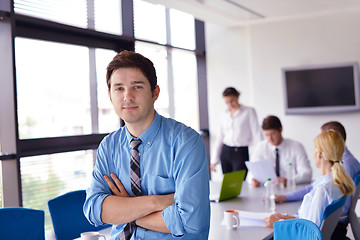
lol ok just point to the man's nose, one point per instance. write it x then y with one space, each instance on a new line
128 95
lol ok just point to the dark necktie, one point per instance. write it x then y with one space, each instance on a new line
135 184
277 163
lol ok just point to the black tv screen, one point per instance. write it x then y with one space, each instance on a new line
322 89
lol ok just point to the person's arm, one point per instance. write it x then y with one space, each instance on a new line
152 221
298 195
303 168
120 208
191 212
269 220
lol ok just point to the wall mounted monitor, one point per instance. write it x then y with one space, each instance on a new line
322 89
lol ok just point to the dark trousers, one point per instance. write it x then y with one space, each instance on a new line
234 158
340 231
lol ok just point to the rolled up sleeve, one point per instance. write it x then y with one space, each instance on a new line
191 212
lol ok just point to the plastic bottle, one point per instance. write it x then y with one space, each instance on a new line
269 196
291 185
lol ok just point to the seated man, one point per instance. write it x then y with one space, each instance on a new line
352 168
280 152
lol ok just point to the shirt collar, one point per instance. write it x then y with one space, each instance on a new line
279 146
149 134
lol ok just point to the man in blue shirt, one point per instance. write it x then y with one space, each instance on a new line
352 167
174 199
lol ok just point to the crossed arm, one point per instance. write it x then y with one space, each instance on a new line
120 208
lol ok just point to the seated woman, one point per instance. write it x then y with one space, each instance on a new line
332 185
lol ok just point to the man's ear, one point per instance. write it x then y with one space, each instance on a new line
109 95
156 92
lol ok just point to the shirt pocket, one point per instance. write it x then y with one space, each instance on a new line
158 185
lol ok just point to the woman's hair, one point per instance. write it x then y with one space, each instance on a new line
230 91
331 145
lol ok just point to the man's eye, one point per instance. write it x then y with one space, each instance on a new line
138 87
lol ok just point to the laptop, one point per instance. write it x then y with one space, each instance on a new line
230 187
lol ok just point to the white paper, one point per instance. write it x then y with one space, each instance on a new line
251 219
261 170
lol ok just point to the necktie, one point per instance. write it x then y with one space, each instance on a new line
277 163
135 184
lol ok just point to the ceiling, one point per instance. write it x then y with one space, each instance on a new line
243 12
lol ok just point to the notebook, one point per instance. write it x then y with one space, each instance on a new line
230 187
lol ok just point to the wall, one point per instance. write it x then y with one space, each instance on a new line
264 49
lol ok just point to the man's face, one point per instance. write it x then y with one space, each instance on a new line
131 96
273 136
232 102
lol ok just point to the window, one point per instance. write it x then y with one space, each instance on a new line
149 21
186 93
48 176
65 11
108 16
182 29
52 89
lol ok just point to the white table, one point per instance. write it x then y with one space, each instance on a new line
248 200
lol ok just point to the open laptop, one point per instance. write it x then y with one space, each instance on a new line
230 187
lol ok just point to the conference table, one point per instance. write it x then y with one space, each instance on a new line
249 200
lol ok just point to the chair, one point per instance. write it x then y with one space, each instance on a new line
330 217
19 223
353 218
296 229
67 216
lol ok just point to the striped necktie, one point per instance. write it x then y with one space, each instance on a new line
135 184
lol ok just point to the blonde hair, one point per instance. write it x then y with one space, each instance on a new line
331 145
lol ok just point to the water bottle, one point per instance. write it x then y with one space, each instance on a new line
269 196
291 177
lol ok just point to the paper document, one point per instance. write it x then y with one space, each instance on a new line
251 219
261 170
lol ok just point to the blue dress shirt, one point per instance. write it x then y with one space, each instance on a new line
172 160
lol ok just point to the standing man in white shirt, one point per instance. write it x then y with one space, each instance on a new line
280 152
239 127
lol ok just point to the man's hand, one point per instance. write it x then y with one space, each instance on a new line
213 167
280 198
255 183
117 190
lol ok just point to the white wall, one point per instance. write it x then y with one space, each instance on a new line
250 58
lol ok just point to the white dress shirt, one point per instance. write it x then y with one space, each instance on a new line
324 192
290 151
238 130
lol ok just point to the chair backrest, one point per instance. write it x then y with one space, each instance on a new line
296 229
353 218
17 223
331 216
67 216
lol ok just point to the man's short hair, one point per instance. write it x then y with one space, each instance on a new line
129 59
230 91
271 122
334 125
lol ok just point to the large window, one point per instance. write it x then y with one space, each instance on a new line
48 176
53 94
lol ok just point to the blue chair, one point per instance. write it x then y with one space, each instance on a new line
67 216
353 218
296 229
17 223
330 217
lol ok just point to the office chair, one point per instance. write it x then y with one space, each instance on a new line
19 223
296 229
353 218
330 217
67 216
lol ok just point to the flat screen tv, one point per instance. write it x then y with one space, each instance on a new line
322 89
